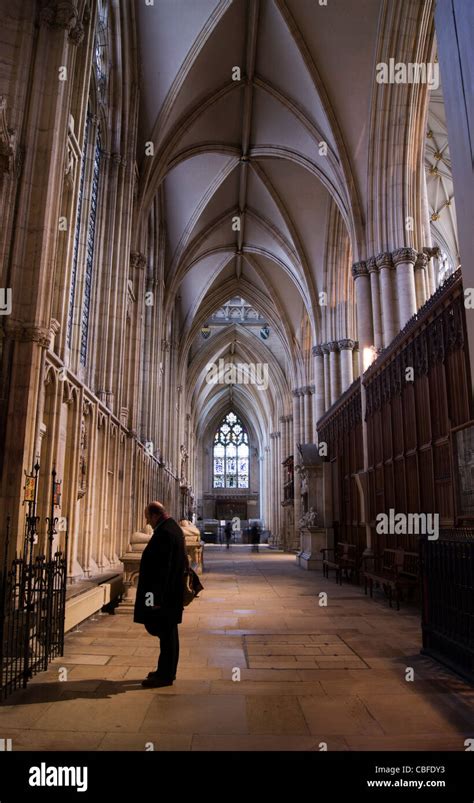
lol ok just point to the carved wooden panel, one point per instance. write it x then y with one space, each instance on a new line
423 418
425 464
409 417
413 496
400 488
397 426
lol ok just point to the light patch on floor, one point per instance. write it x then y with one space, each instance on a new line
297 651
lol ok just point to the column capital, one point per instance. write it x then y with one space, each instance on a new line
137 260
384 260
283 419
166 345
333 345
422 260
432 252
346 343
372 266
308 390
325 348
28 332
403 255
318 351
359 269
63 14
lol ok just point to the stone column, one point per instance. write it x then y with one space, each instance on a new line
364 305
275 485
376 306
347 374
283 430
355 360
278 490
421 279
272 482
302 416
389 316
290 435
308 415
268 484
334 370
404 260
319 401
431 268
327 377
296 457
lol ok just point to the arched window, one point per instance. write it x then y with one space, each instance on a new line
90 249
231 454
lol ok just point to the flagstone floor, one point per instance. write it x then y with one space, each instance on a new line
310 676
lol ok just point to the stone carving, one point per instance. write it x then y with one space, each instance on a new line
346 344
432 252
372 265
422 260
137 260
184 458
384 260
83 446
28 333
310 519
63 14
7 140
359 269
402 255
318 351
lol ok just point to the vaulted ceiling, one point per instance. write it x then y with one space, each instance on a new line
246 170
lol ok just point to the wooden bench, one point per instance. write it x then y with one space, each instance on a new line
396 570
345 558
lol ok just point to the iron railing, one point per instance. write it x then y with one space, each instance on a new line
32 599
447 573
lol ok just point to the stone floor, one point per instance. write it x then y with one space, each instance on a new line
310 675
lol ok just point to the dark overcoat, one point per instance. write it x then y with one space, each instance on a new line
162 567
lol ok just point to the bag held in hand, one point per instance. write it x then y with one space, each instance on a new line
192 586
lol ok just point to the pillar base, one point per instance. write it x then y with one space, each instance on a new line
312 541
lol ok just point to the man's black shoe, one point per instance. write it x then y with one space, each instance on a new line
155 683
152 675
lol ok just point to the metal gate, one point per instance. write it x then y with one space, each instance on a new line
32 597
447 568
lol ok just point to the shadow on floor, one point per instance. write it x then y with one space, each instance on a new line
70 690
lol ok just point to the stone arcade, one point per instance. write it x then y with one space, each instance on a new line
236 238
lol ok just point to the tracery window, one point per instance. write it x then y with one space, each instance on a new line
72 291
90 250
231 454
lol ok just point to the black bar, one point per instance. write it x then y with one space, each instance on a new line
336 775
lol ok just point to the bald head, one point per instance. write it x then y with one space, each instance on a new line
153 513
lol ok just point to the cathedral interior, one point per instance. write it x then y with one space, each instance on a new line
235 277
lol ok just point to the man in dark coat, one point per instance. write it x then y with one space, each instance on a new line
159 600
255 536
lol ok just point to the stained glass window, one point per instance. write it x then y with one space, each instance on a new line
90 251
72 291
231 454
